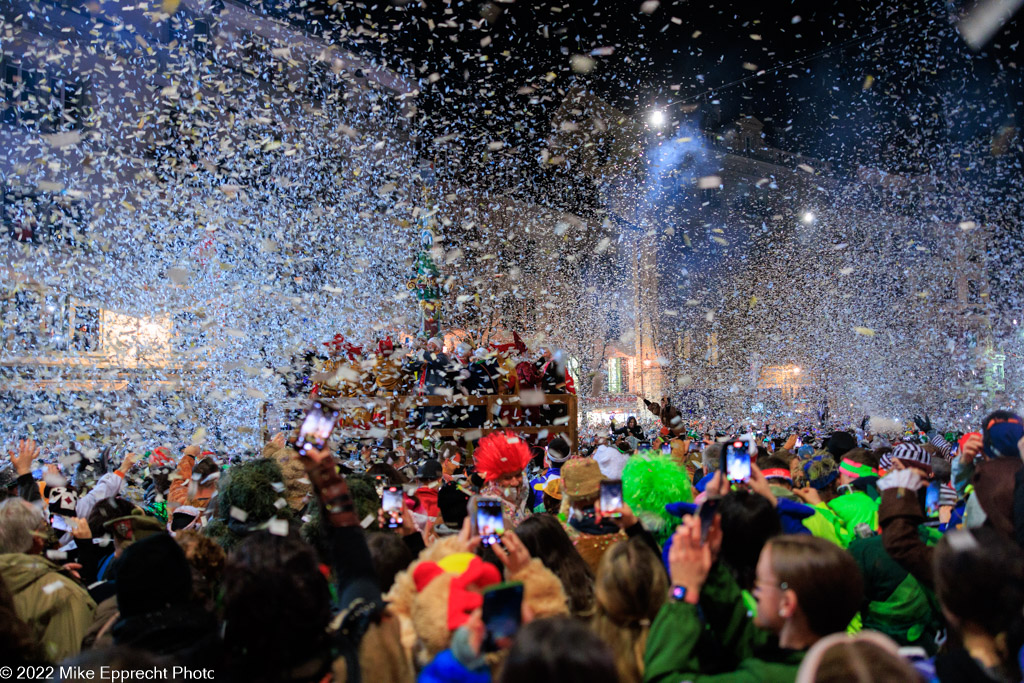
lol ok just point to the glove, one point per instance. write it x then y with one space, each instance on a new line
924 424
901 479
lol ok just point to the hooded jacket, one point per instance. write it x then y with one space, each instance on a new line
59 611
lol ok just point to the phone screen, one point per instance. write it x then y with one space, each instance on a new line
316 428
737 461
799 443
611 498
502 615
931 499
490 523
392 504
666 448
706 514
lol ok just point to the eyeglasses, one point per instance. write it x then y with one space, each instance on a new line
783 586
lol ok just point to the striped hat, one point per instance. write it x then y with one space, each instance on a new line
911 455
943 445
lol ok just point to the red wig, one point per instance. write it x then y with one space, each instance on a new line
501 453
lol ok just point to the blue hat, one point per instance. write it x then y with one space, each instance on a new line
1001 431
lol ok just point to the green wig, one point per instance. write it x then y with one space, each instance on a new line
649 482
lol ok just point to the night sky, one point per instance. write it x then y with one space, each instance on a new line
887 84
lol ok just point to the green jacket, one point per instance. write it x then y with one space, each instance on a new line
818 524
894 602
845 512
58 609
822 526
856 508
748 653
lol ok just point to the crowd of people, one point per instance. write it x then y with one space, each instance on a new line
841 555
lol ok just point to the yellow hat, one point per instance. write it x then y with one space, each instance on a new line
553 488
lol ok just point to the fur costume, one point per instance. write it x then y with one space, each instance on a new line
421 596
251 487
297 486
343 375
650 481
387 369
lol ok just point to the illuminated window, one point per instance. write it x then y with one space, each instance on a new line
614 375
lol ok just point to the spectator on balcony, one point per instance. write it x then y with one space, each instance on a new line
431 369
631 429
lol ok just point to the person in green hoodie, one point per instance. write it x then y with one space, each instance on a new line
843 506
806 588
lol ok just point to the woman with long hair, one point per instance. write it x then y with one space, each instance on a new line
545 538
631 588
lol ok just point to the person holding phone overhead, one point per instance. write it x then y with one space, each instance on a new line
806 588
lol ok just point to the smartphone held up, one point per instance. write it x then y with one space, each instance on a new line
317 427
736 460
611 498
392 504
488 520
502 615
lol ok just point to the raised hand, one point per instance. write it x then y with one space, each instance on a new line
512 553
689 561
80 528
128 463
22 460
759 485
790 442
923 423
972 447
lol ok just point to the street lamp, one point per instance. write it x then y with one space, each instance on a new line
808 217
657 118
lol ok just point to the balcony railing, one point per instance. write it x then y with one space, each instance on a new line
389 415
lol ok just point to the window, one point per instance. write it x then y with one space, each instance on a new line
30 322
618 376
85 328
40 100
36 217
974 290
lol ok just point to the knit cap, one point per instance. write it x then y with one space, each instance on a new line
1001 431
912 455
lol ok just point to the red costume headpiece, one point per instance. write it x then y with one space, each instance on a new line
516 344
501 453
338 344
385 347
